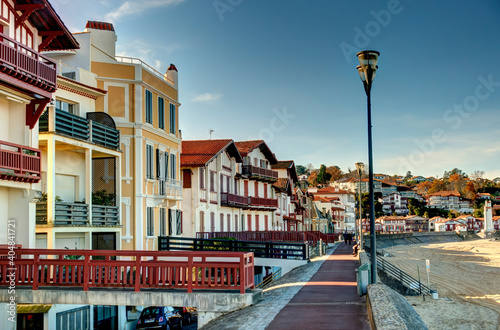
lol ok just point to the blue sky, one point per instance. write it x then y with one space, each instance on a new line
285 71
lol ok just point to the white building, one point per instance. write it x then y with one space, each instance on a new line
346 199
395 203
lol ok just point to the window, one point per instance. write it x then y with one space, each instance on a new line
68 107
235 223
222 184
166 165
149 107
161 113
202 178
163 221
172 118
235 187
212 222
150 223
228 222
266 222
149 161
172 167
221 229
212 181
202 221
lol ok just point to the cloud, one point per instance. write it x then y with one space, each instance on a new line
134 7
207 97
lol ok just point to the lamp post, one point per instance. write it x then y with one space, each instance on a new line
360 167
367 68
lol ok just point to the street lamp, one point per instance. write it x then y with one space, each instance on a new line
360 167
367 68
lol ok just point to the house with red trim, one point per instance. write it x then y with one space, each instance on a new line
346 201
468 220
496 222
28 80
395 203
288 215
212 198
449 200
415 223
393 224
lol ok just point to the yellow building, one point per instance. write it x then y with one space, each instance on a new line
144 105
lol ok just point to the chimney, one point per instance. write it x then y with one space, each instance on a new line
103 38
171 75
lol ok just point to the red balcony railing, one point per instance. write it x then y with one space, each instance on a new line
233 200
264 202
259 172
128 269
27 64
19 163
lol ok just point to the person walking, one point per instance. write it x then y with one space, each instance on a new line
345 238
349 238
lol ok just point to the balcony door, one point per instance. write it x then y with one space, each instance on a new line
66 187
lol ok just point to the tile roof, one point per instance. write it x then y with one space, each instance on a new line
282 164
196 153
445 194
333 190
325 199
245 147
99 26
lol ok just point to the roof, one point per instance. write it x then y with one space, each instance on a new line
46 20
288 165
172 67
245 147
333 190
464 216
82 84
99 26
445 194
196 153
325 199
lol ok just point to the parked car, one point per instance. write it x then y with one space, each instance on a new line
159 318
189 314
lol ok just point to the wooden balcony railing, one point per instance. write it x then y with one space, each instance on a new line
79 128
19 163
259 173
128 269
71 214
27 65
233 200
263 202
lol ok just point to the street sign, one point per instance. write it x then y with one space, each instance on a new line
428 265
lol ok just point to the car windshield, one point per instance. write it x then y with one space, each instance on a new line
150 311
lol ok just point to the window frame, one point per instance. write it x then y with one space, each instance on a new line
161 113
148 95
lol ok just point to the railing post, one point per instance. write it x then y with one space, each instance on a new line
137 283
305 250
86 272
51 118
243 271
190 274
90 130
268 249
36 260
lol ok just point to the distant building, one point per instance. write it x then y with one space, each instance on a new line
346 199
393 224
449 200
415 223
395 203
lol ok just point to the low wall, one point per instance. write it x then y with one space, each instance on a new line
388 310
285 264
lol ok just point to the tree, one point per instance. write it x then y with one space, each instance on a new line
437 185
408 175
301 169
478 174
423 187
470 190
309 167
313 178
323 176
447 174
335 172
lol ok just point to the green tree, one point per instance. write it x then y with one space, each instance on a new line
323 176
301 169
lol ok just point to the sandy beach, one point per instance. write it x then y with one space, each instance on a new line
467 275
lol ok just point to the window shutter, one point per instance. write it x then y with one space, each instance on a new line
166 165
178 225
158 171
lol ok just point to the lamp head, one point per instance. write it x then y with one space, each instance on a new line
367 67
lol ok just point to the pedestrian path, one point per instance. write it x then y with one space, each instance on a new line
329 300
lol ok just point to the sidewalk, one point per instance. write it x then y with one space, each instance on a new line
329 299
319 295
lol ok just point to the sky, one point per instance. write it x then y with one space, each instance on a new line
285 71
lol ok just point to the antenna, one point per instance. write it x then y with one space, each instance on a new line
211 131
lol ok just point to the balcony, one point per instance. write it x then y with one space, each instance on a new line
232 200
267 203
77 214
19 163
79 128
259 173
170 188
27 66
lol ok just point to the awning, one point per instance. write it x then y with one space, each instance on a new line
33 308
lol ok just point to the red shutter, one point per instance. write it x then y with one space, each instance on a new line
257 225
249 222
245 184
265 190
256 192
266 222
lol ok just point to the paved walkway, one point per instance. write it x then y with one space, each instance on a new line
328 300
319 295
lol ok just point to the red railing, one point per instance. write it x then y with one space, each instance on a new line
267 202
20 162
27 64
228 199
128 269
259 171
